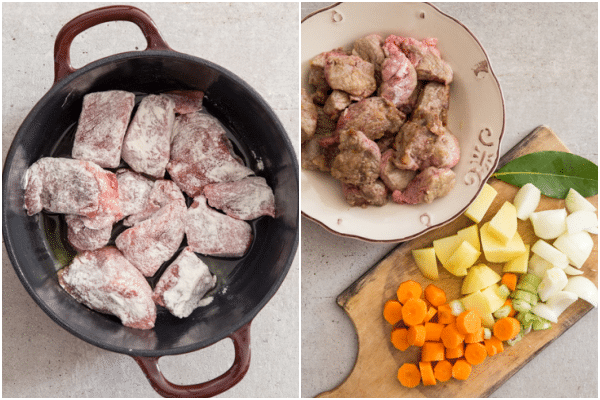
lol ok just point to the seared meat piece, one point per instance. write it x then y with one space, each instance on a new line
102 125
399 77
351 74
83 238
369 49
336 103
394 177
183 284
147 143
430 184
106 282
358 161
245 199
432 107
425 57
445 152
374 116
186 101
418 148
316 78
315 157
370 194
134 190
309 115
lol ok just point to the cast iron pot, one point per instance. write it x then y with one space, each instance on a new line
37 247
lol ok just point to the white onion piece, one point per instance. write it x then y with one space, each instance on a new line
572 271
549 224
550 254
593 230
526 200
576 202
554 281
576 246
583 288
538 266
581 220
561 301
542 310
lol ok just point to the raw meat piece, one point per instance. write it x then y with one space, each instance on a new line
186 101
374 116
430 184
418 148
245 199
336 103
102 125
394 177
201 154
358 161
147 143
309 116
369 49
351 74
370 194
134 190
106 282
212 233
425 56
399 77
432 107
183 284
162 193
67 186
83 238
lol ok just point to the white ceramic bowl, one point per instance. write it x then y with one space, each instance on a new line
475 116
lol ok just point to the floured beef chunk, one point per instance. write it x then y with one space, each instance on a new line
427 186
183 284
374 116
426 58
102 125
418 148
432 107
147 143
369 49
336 103
186 101
394 177
201 154
399 77
370 194
358 161
67 186
106 282
245 199
309 115
351 74
83 238
210 232
134 190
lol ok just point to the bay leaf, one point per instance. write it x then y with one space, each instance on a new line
553 172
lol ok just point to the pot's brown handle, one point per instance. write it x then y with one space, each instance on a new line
241 342
62 45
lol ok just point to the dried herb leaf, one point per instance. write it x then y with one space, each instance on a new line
553 172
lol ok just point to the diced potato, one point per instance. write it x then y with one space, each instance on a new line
471 235
493 297
444 247
498 252
519 264
479 277
462 259
427 262
479 207
479 302
504 224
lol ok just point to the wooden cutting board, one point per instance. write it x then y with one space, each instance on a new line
377 363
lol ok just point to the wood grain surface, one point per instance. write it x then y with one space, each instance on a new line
375 371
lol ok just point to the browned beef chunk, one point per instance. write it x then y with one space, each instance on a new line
418 148
399 77
336 103
374 116
369 49
358 161
309 117
427 61
430 184
316 76
370 194
432 107
351 74
315 157
393 177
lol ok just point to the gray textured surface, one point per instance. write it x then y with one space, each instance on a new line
545 56
256 41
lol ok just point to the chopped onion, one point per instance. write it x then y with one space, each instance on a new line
581 220
592 230
554 281
576 202
538 266
576 246
549 224
583 288
560 301
526 200
572 271
550 254
542 310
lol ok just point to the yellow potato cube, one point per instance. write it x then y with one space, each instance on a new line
444 247
504 224
478 302
426 261
471 235
462 259
496 251
494 299
479 207
519 264
479 277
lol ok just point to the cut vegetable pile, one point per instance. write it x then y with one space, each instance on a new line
538 282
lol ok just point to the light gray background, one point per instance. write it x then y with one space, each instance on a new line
545 56
256 41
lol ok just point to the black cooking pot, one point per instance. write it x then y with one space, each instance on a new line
37 245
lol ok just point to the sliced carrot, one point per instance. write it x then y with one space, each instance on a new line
409 375
510 280
468 322
493 346
432 351
443 371
444 313
475 337
475 353
435 295
461 370
431 311
414 311
512 312
433 331
409 290
416 335
451 337
392 311
456 352
399 338
427 375
506 328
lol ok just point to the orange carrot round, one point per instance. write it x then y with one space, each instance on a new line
431 311
493 346
468 322
461 370
433 331
399 338
475 337
456 352
432 351
409 290
427 375
392 311
414 311
506 328
475 353
443 371
409 375
435 295
416 335
451 337
444 313
510 280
